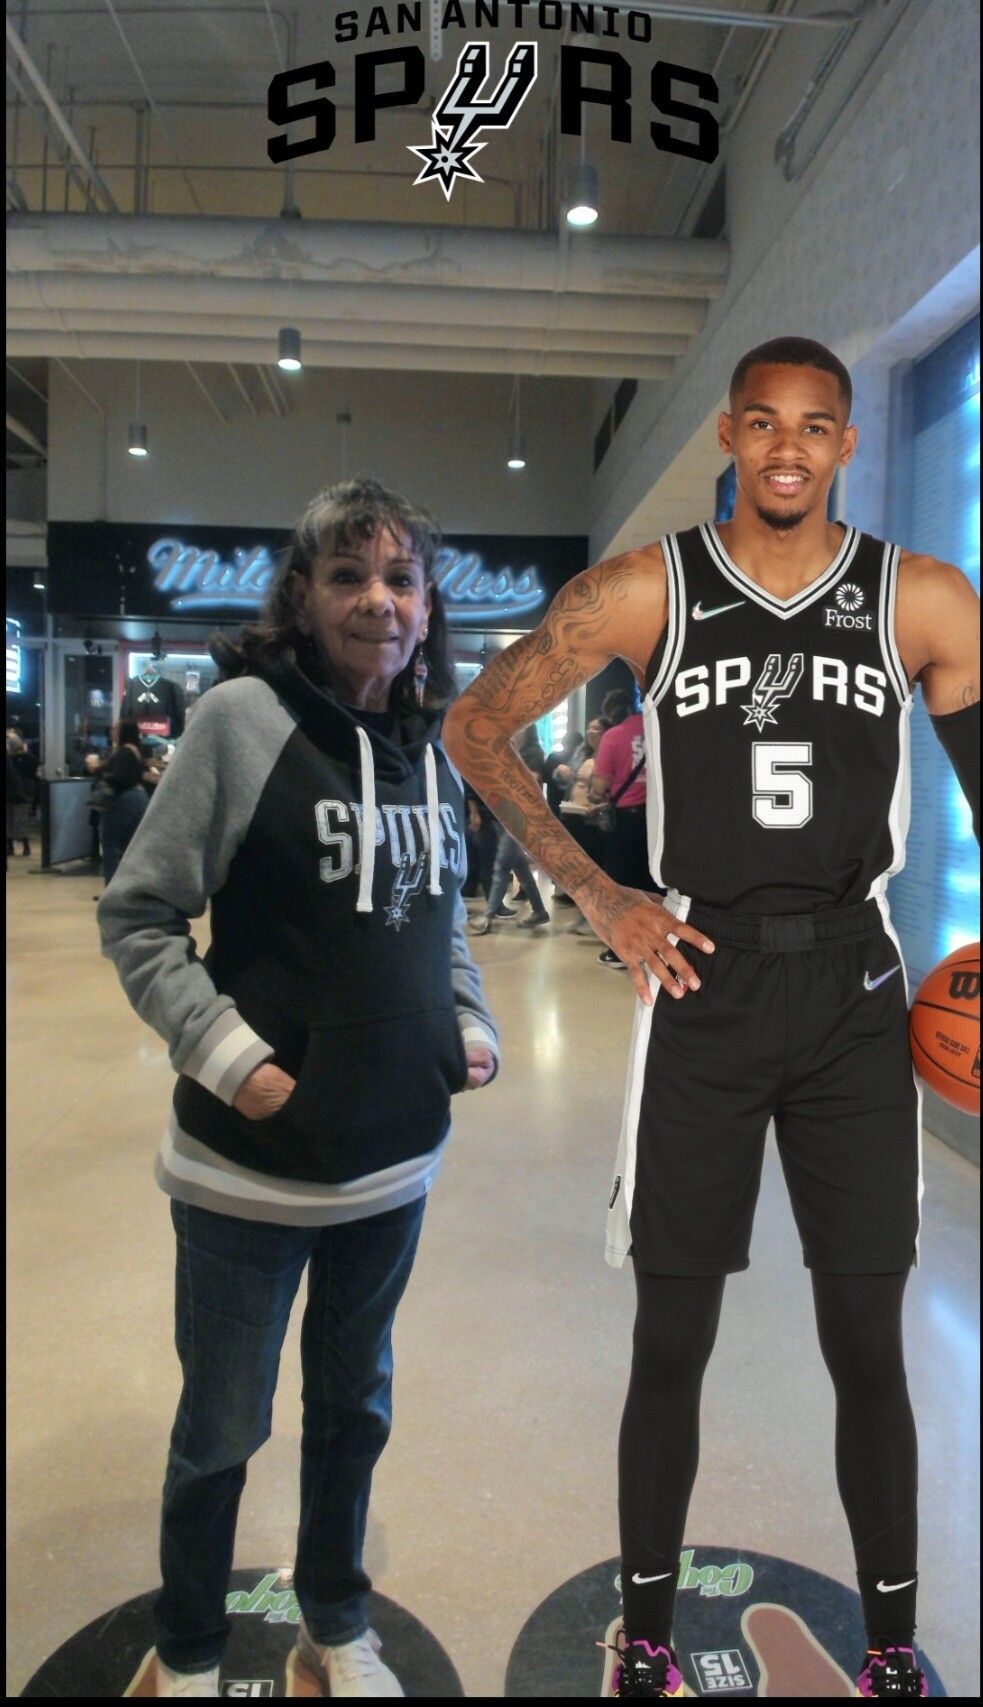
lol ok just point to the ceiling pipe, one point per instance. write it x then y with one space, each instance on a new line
93 346
25 435
89 170
241 388
271 394
349 252
614 341
60 297
209 399
86 393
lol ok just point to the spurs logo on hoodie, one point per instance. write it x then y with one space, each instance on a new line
402 832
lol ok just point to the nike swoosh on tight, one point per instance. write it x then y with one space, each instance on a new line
889 1588
637 1579
872 983
700 615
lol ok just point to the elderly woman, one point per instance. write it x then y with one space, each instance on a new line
318 1045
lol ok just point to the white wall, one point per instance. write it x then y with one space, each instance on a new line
887 213
439 438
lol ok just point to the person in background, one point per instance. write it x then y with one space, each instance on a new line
19 794
557 777
619 782
483 830
317 1047
580 814
119 795
511 858
560 769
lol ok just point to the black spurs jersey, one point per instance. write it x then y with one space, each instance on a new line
777 732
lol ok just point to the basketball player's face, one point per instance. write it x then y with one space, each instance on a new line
788 435
366 607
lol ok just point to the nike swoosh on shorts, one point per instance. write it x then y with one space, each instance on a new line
889 1588
637 1579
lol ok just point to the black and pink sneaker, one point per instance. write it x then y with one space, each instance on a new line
638 1668
891 1671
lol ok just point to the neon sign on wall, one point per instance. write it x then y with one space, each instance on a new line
195 578
13 656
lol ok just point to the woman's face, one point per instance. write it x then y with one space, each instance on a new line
593 734
366 607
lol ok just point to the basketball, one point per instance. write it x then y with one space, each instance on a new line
945 1029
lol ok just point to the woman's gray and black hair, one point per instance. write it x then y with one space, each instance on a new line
343 516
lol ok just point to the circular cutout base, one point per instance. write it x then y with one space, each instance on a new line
746 1624
103 1659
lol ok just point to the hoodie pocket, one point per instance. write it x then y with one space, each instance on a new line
370 1093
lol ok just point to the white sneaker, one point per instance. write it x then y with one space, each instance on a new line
353 1668
155 1678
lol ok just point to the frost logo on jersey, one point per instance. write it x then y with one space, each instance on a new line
409 879
772 686
461 113
849 597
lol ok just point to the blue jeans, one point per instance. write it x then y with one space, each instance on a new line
511 857
119 823
236 1282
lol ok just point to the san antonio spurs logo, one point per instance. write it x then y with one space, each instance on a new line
409 880
772 686
849 596
460 113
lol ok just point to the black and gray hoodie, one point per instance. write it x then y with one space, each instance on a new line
333 856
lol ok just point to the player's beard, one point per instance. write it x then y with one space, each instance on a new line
783 521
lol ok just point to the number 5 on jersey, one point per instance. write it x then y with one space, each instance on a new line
781 797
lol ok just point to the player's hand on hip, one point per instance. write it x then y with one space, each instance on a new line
264 1092
644 934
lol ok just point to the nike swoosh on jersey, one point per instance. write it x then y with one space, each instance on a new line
889 1588
700 615
872 983
637 1579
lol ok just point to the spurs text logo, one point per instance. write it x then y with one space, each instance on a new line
462 112
699 686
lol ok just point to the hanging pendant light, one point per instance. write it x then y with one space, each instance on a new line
289 348
136 442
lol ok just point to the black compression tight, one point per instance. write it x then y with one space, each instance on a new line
859 1322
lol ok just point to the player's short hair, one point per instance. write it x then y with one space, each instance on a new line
794 352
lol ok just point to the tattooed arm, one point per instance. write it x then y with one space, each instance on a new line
615 610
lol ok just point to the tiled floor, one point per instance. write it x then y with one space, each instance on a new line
512 1344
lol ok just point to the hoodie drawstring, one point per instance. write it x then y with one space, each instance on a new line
433 820
364 902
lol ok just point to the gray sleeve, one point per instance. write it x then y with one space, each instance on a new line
178 858
473 1013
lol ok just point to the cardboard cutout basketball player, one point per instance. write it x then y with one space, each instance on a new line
777 653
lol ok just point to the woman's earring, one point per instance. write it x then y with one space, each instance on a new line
421 671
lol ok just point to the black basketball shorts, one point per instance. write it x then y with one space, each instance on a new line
802 1018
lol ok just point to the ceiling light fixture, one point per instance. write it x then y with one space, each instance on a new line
517 444
136 442
582 210
289 346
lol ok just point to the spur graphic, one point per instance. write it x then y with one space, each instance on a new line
462 111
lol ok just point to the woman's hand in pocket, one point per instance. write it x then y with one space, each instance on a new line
264 1092
481 1065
